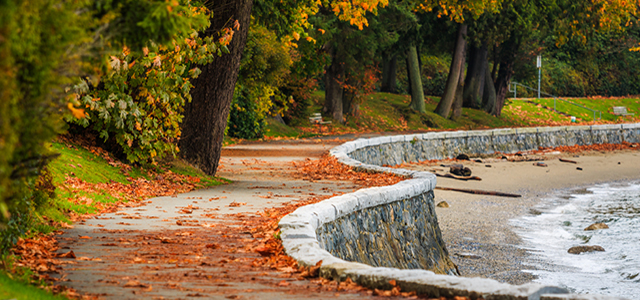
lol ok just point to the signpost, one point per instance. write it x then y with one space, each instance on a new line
539 66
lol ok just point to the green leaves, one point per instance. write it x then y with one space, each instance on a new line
140 101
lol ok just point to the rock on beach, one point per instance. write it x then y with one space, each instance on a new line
596 226
581 249
443 204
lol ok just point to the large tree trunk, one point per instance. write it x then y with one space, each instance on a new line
474 81
417 92
205 117
458 100
334 79
349 106
502 86
408 68
489 95
444 106
389 70
505 72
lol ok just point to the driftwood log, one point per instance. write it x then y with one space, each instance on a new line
479 192
465 178
568 161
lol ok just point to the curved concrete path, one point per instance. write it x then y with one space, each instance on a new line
164 249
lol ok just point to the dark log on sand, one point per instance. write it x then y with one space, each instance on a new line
465 178
479 192
568 161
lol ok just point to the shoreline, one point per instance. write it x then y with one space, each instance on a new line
477 229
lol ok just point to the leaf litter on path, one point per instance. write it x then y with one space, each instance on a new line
239 253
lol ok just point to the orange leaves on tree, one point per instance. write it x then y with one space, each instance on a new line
354 11
77 113
455 9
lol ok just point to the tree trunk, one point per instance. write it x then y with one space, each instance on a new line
408 68
444 106
507 61
502 85
205 116
349 106
334 78
489 95
474 81
496 64
389 70
417 92
457 101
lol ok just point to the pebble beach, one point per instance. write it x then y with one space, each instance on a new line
478 229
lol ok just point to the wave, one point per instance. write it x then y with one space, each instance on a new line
558 224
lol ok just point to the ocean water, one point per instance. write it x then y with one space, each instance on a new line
558 224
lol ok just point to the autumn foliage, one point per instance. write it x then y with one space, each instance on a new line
328 168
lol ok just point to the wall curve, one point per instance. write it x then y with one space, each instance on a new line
319 232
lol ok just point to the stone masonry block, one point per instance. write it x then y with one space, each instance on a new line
397 138
344 205
372 197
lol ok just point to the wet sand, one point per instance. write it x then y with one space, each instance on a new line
477 228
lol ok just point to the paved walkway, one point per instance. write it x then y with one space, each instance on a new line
196 244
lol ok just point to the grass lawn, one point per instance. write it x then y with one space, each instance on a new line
604 105
18 290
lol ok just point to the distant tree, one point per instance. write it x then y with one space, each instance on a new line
459 12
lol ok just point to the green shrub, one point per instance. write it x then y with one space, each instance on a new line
36 61
435 70
563 80
244 119
265 65
140 100
45 45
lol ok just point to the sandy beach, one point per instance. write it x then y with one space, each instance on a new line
476 228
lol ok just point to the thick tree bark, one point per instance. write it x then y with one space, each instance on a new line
496 64
474 81
389 70
205 117
489 95
406 62
505 72
456 109
334 78
349 106
502 85
417 92
444 106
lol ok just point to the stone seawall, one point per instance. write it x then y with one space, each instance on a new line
394 150
352 236
402 234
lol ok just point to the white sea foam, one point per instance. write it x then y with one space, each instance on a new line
559 225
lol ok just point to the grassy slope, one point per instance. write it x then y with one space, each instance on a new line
390 112
14 289
79 162
92 168
605 105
